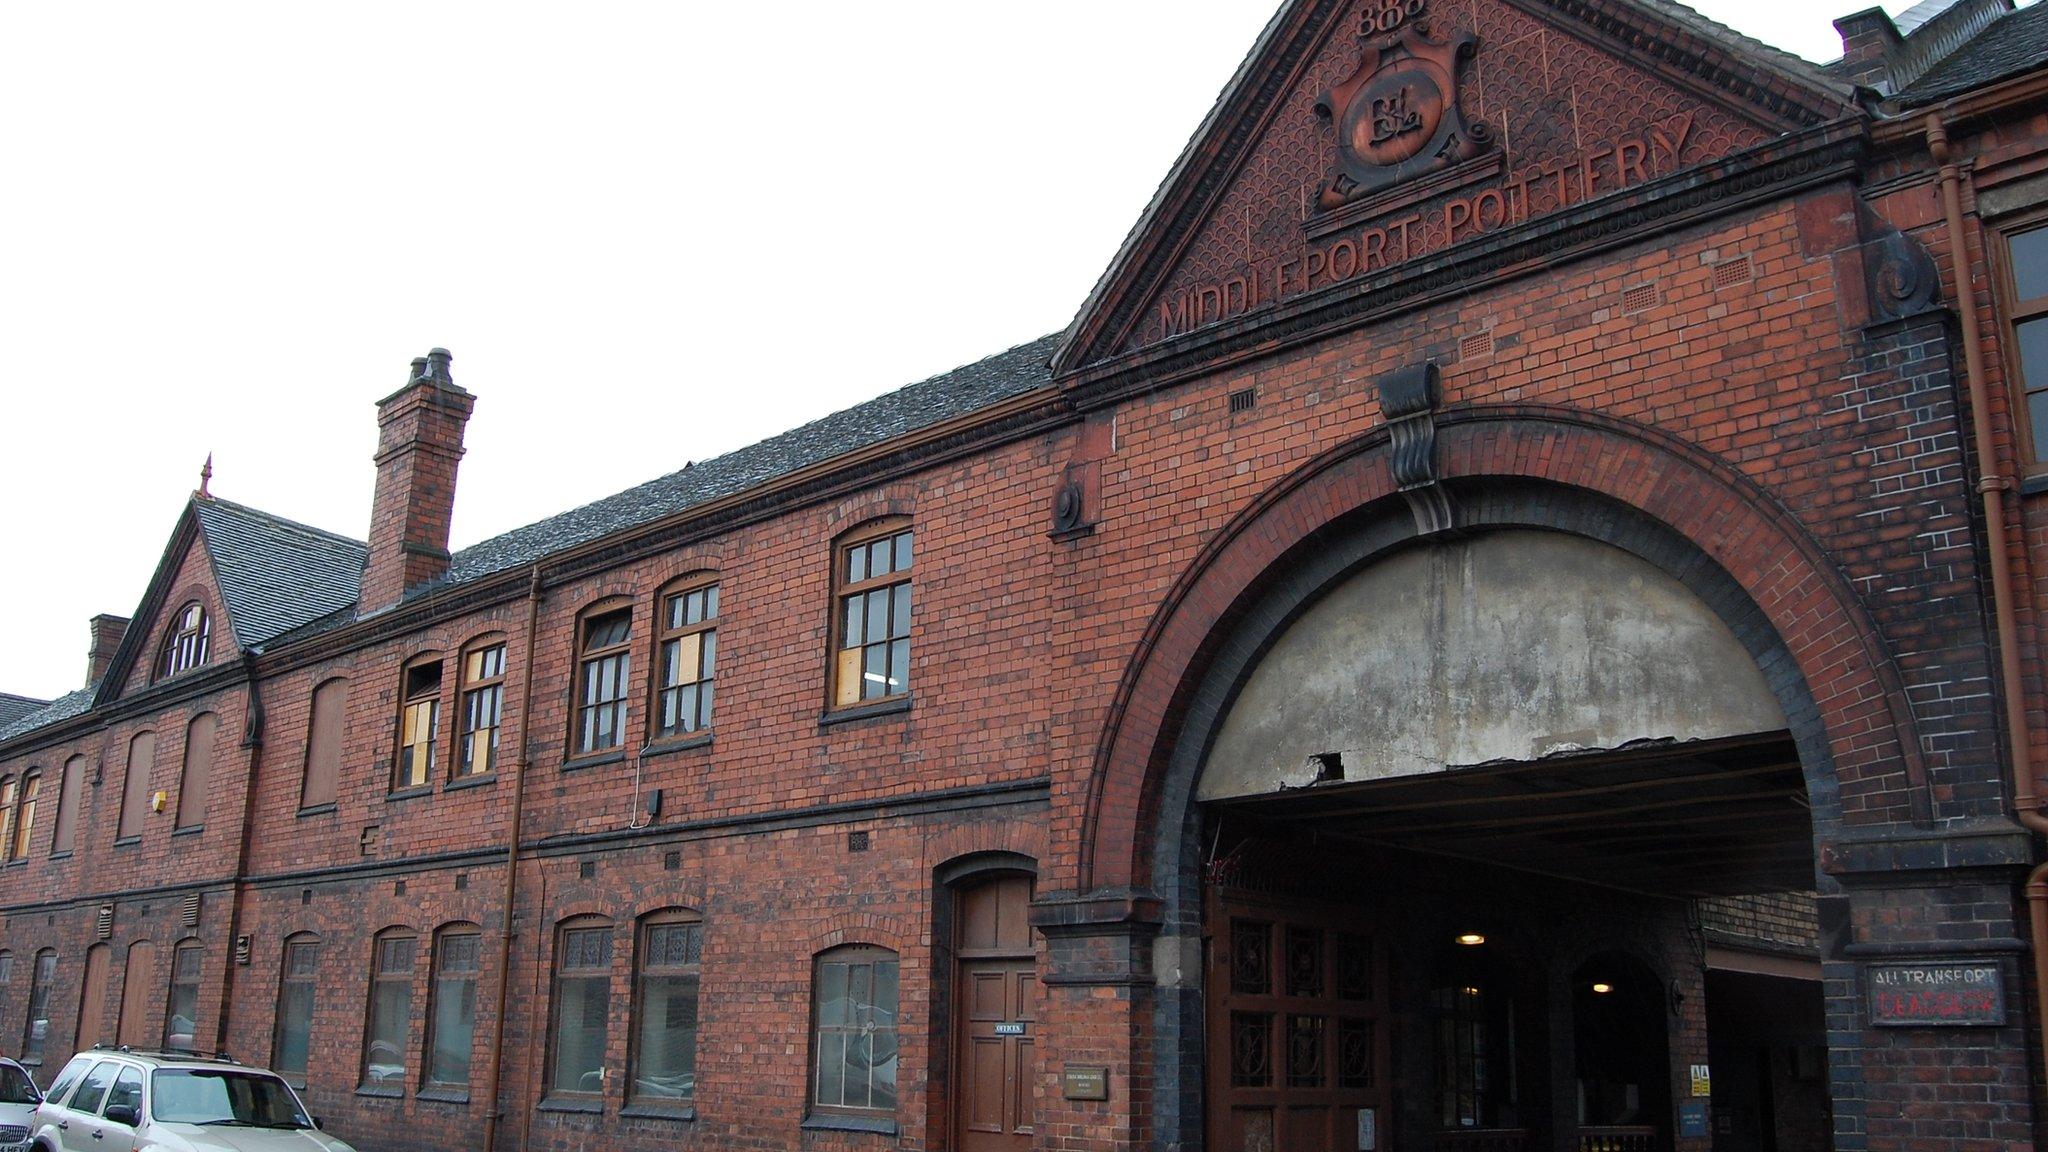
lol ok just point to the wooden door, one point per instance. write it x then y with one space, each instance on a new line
92 999
995 1019
1297 1035
138 988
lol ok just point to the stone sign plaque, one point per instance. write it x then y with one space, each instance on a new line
1936 995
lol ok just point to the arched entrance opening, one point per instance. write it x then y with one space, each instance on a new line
1449 790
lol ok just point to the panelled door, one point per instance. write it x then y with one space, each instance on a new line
1297 1035
996 1018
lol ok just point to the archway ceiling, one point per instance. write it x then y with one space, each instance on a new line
1711 818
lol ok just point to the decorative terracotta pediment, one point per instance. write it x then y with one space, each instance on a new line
1363 137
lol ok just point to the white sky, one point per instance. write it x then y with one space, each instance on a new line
650 233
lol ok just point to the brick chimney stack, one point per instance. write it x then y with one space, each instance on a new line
107 632
419 444
1869 41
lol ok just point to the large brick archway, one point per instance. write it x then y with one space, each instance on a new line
1134 910
1540 467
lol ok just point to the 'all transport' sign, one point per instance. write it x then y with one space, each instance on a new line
1923 995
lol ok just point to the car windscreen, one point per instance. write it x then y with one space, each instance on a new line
16 1087
220 1096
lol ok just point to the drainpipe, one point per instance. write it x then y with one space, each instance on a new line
252 741
497 1065
2026 800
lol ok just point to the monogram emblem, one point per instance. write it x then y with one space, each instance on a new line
1397 116
1391 117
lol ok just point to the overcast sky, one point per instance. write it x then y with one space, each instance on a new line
650 233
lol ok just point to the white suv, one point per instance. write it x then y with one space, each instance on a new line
117 1100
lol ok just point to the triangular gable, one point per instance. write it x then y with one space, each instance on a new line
184 574
259 576
1364 136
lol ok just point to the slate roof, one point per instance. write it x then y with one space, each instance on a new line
2015 42
14 707
908 409
62 708
1795 66
275 574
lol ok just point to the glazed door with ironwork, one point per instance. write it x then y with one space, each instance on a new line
1297 1040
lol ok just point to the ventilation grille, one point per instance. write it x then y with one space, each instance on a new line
857 841
670 861
1729 273
587 869
1244 400
242 947
1477 346
398 888
1640 298
305 896
188 911
103 925
462 881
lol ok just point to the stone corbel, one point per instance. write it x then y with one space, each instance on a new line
1409 399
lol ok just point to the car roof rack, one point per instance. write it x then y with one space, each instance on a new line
194 1055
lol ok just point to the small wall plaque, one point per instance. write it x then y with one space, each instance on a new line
1084 1082
1692 1118
1010 1028
1929 995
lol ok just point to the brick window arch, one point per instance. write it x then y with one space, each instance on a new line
387 1026
25 813
195 777
298 985
185 645
685 655
604 675
663 1061
419 723
871 577
451 1004
581 1008
35 1035
854 1008
64 836
482 704
10 796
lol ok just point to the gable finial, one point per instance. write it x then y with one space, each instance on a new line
205 478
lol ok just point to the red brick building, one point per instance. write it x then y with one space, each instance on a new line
1510 620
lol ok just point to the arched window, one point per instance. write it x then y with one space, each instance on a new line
10 795
663 1062
25 818
871 626
181 1012
66 833
604 671
853 1031
686 657
483 707
135 787
35 1035
185 645
582 1004
295 993
197 774
387 1032
419 724
323 744
451 1005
